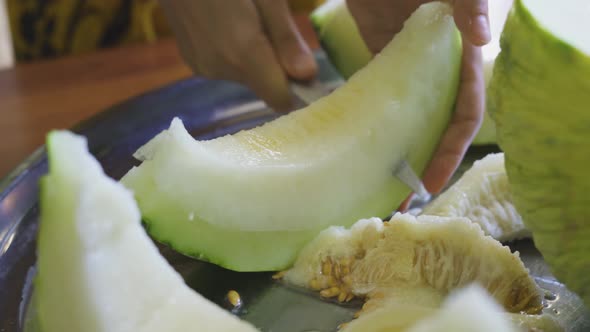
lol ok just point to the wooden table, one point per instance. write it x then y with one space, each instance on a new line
38 97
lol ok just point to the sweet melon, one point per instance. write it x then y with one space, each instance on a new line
251 200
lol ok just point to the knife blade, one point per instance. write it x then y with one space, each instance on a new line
314 90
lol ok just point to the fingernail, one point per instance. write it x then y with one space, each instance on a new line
481 28
304 66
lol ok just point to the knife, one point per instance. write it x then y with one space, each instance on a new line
314 90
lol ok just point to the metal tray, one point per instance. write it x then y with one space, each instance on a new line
208 109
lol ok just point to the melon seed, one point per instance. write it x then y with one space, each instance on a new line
234 298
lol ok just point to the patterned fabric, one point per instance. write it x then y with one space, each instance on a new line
51 28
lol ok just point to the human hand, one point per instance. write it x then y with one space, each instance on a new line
253 42
380 20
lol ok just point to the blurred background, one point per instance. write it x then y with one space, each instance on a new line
31 30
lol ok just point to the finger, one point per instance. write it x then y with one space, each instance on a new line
471 17
291 49
465 123
261 71
403 207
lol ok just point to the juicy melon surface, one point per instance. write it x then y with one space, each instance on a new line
98 271
540 99
274 187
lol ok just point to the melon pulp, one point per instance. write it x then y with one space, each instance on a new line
250 201
468 309
98 271
482 195
342 42
412 260
540 99
465 310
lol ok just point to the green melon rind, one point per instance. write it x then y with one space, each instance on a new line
539 98
231 249
331 18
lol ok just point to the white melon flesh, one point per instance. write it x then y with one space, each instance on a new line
328 164
98 271
482 195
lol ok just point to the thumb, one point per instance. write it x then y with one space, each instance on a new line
471 17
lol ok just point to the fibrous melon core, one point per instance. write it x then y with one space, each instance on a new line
413 260
465 310
482 195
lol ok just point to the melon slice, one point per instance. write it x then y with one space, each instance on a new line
98 271
342 42
413 260
468 309
540 98
482 195
250 201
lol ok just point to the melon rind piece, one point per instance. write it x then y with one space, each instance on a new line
98 271
482 195
540 99
251 200
413 260
340 38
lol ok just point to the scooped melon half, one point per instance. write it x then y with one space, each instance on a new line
98 271
540 99
250 201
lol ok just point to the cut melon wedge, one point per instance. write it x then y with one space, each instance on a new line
250 201
98 271
342 42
